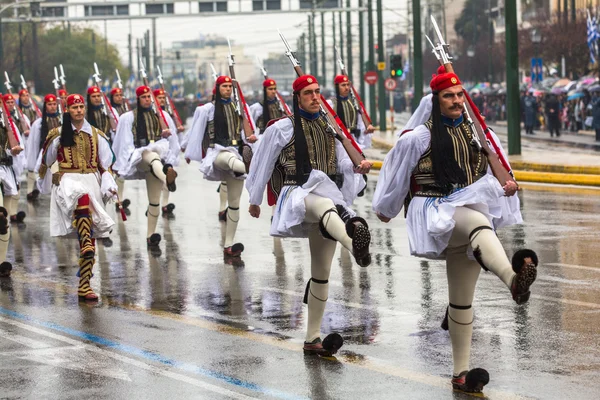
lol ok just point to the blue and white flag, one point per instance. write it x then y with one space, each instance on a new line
592 37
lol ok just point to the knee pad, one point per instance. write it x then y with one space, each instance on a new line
322 227
477 250
83 201
152 170
322 282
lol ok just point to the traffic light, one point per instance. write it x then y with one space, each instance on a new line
396 70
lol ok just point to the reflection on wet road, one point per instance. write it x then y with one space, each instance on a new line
185 325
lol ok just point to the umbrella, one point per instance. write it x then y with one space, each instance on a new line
557 90
574 96
594 88
562 82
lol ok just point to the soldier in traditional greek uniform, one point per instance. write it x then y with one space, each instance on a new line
349 112
166 207
145 150
95 112
37 137
26 105
9 184
117 102
215 140
80 187
314 182
19 161
453 205
269 108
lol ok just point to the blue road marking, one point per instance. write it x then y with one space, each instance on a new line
148 355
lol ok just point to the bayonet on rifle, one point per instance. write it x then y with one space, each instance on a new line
238 96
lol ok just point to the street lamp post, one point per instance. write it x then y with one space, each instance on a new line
471 54
536 39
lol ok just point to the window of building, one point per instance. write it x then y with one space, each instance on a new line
221 5
260 5
159 8
308 4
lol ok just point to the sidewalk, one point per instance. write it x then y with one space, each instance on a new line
569 159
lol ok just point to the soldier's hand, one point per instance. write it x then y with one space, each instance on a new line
26 133
180 128
165 133
510 188
370 129
364 167
383 218
252 139
16 150
254 210
187 160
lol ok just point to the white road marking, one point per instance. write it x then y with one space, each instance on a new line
127 360
31 343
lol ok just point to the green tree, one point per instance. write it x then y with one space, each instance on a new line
473 24
76 49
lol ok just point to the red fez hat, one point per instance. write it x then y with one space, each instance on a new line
142 90
49 98
8 96
159 92
62 92
340 79
93 89
269 82
303 81
443 80
75 99
223 79
115 91
23 91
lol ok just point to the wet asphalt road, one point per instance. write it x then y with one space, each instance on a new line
186 325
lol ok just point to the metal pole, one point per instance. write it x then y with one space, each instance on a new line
152 66
1 47
573 11
349 40
323 60
130 53
418 53
21 62
335 66
315 56
372 100
361 50
513 102
341 35
491 49
381 58
36 56
444 17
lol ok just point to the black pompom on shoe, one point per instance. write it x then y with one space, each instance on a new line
5 269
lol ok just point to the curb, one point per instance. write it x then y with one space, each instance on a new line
555 168
543 177
558 178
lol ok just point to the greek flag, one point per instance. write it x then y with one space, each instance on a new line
592 37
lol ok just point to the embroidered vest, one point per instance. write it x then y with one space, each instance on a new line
232 136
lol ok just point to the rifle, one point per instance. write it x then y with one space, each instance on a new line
356 100
170 105
63 78
7 123
159 112
35 106
498 164
283 107
120 86
56 81
214 72
106 109
335 126
23 124
238 97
